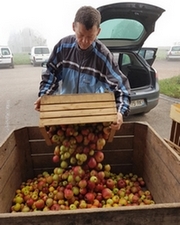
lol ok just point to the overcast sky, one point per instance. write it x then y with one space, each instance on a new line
53 19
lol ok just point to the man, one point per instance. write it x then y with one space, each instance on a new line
84 65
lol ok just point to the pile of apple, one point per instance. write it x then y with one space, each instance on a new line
79 144
82 180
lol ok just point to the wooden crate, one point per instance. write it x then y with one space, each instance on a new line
175 128
136 148
76 109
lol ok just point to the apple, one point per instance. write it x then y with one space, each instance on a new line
94 179
107 167
55 138
92 163
82 204
68 194
110 183
30 202
82 183
72 207
123 201
89 197
99 156
39 204
55 207
83 191
107 193
57 150
59 195
101 175
100 143
56 158
64 164
121 183
85 131
91 136
49 202
75 190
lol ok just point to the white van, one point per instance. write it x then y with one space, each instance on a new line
6 57
39 54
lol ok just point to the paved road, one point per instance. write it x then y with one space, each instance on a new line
19 87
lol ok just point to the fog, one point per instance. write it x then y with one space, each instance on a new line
53 20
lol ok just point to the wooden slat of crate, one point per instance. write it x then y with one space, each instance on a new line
76 109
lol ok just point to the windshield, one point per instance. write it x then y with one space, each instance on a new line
41 51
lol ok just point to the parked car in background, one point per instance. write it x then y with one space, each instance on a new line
6 57
124 29
173 53
39 54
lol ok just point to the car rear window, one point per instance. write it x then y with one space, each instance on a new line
41 51
121 29
5 51
176 48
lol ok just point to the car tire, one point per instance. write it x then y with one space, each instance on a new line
34 62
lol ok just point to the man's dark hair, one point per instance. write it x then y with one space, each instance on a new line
88 16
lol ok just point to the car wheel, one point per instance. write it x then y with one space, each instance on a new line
34 62
12 64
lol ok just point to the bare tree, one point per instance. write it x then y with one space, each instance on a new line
23 41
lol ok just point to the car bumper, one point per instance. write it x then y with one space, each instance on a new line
144 103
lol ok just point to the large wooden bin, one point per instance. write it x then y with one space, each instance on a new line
136 148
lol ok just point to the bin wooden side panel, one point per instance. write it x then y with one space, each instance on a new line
140 136
13 169
158 214
160 170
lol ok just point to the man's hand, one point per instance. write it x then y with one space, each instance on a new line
117 124
37 104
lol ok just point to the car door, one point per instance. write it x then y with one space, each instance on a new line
149 54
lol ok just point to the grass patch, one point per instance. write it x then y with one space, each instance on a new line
21 59
170 87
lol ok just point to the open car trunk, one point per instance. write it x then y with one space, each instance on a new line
132 66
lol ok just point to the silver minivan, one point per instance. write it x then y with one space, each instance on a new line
6 57
39 54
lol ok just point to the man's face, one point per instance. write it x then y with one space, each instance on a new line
85 37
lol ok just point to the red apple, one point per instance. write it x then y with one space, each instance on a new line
55 207
92 163
68 194
121 183
39 204
107 193
110 183
89 197
99 156
56 158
